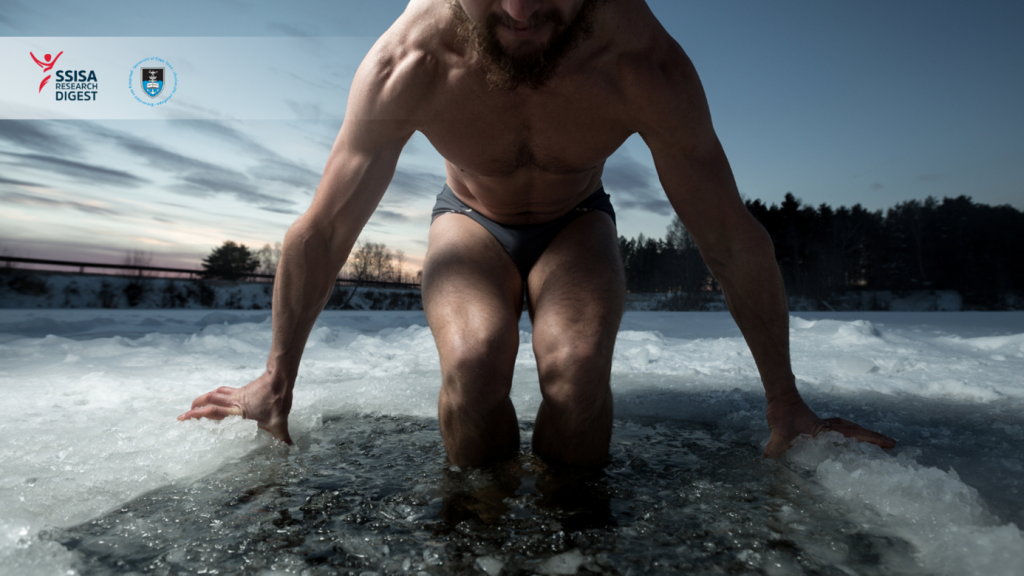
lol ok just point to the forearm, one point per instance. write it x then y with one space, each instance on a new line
304 282
756 296
319 242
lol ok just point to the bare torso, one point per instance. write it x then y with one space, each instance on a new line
521 157
525 156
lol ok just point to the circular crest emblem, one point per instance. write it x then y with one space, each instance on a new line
153 81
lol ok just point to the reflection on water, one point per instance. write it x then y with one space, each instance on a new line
373 495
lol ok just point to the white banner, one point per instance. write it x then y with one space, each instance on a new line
228 78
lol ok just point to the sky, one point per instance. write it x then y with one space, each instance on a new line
870 102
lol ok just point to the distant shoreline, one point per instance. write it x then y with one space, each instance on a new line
26 288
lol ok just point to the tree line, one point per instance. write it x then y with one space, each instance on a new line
368 262
823 252
952 244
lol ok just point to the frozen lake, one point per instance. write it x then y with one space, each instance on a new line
97 475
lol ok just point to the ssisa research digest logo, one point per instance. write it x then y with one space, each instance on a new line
71 85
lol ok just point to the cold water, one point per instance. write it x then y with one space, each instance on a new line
96 476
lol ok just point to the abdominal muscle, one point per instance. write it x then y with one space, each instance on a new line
527 196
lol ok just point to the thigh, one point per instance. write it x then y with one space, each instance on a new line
472 292
577 291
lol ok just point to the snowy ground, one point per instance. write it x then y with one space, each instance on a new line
23 289
87 427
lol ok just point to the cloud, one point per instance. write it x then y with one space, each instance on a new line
205 183
31 200
634 186
173 205
280 210
285 172
321 82
313 111
272 166
45 146
155 156
84 172
186 110
16 182
391 216
877 186
37 136
226 133
197 177
407 185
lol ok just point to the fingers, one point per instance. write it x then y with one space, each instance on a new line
858 432
213 412
778 443
221 396
227 401
216 405
278 429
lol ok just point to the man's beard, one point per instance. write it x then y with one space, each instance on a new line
507 71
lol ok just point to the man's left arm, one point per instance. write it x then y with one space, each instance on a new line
698 180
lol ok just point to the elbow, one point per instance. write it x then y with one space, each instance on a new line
744 245
302 237
309 239
304 231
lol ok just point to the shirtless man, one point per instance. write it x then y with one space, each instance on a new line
525 100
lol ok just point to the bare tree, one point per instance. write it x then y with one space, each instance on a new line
678 237
399 266
5 251
358 265
384 265
269 257
136 257
371 262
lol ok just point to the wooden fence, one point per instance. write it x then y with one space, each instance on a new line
126 269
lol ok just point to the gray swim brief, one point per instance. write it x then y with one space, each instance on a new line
526 243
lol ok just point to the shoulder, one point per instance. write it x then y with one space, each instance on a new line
659 83
405 68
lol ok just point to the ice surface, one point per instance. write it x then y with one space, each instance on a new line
933 509
87 427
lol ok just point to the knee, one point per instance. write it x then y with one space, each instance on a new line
477 366
574 372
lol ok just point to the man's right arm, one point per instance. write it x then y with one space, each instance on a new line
378 122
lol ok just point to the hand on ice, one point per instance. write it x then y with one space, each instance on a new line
261 400
789 417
